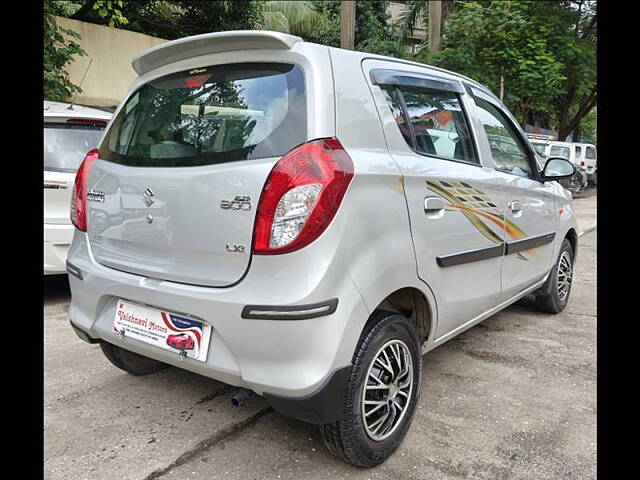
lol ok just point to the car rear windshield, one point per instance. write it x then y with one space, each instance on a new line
66 145
210 115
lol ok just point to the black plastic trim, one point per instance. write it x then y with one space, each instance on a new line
504 248
383 76
322 406
528 243
73 270
83 335
271 312
471 255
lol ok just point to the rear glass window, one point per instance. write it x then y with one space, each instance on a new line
66 145
591 153
558 151
436 123
210 115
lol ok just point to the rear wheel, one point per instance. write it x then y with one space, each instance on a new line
560 278
381 395
131 362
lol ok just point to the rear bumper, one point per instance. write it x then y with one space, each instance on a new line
293 363
57 240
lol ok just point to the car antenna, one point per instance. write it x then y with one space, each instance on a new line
70 107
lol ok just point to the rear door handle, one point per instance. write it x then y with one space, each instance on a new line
433 204
515 206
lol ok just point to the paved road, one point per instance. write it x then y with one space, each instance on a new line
585 205
514 397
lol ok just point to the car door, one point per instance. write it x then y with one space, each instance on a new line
530 216
454 201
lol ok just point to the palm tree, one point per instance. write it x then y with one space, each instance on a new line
296 18
417 11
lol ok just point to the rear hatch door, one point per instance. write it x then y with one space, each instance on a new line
182 168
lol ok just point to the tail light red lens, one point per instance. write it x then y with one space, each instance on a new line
79 195
301 196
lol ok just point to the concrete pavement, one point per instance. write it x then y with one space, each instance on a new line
585 205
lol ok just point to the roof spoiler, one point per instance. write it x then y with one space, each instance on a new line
208 43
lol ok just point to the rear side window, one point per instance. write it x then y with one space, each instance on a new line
590 153
211 115
431 121
560 151
65 145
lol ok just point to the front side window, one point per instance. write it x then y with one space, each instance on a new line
65 144
210 115
507 149
431 121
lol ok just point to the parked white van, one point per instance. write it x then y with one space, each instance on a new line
574 153
590 159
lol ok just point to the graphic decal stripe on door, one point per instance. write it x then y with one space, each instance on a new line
478 207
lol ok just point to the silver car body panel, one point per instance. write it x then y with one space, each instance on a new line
189 236
378 243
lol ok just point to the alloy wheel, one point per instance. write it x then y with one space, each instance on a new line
387 390
565 273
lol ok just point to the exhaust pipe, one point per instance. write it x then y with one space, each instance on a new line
240 397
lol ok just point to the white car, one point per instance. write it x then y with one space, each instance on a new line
574 153
68 134
314 219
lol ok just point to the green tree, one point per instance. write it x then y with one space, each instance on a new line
60 47
502 46
573 40
374 32
294 17
172 19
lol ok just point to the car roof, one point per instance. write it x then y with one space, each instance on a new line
61 110
216 42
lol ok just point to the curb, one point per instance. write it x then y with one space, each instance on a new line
588 230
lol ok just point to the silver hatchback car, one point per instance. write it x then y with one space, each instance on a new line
305 222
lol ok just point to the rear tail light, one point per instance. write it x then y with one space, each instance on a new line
301 196
582 163
79 195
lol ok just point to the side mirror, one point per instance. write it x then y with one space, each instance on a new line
558 168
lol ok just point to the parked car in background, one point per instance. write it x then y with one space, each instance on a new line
540 147
572 152
318 218
590 158
68 134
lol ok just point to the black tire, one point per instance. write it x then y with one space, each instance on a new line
131 362
551 302
347 438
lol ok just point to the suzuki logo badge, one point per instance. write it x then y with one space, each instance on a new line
147 197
